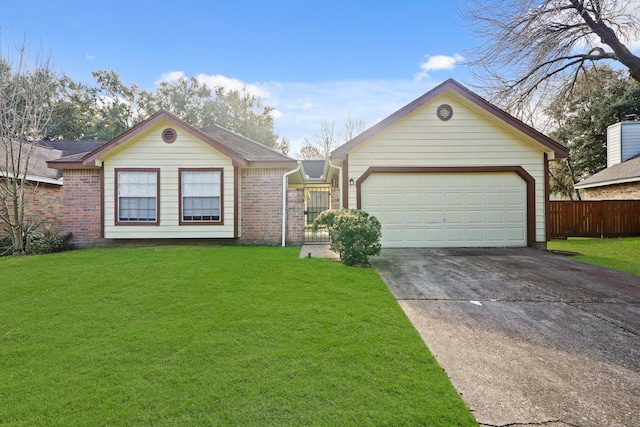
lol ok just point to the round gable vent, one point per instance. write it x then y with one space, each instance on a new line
169 135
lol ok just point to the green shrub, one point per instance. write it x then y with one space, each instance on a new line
50 240
38 238
355 234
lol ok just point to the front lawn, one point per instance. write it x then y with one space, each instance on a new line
181 335
620 253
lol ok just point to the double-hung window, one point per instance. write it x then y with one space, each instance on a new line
200 196
137 196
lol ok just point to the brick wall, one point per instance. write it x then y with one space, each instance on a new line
335 198
261 210
295 216
43 203
82 205
627 191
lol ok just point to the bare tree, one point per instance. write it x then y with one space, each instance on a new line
27 89
533 46
328 139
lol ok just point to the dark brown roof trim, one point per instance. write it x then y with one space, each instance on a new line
450 84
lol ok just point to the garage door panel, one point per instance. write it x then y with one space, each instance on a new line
474 217
433 200
474 199
448 209
454 199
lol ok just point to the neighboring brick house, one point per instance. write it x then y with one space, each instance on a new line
43 195
165 179
621 179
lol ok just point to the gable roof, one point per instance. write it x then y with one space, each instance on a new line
241 150
628 171
559 150
313 169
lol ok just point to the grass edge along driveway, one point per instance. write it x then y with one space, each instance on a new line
196 335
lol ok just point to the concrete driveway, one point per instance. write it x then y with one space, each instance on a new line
527 337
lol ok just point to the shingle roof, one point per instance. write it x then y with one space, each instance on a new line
625 171
313 168
250 150
69 148
37 162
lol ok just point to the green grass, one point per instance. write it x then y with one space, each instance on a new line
621 253
179 335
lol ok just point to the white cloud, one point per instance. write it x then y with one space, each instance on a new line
437 62
299 108
170 77
216 80
89 56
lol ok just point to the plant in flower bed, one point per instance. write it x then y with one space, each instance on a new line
355 234
38 238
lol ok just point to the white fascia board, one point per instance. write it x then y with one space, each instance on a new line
35 178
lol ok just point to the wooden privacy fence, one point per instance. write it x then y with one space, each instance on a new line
603 218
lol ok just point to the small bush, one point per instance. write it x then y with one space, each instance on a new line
355 234
38 238
50 241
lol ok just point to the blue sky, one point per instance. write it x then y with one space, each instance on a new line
311 61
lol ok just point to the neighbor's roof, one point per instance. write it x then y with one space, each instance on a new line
628 171
242 151
559 150
69 148
38 170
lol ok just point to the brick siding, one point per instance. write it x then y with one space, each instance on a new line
43 203
627 191
82 205
335 198
261 209
295 216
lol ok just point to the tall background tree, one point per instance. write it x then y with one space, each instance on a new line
600 98
549 63
536 48
321 144
28 90
111 107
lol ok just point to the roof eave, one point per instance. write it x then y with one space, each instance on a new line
288 164
607 183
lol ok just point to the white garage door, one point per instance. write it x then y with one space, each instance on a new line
448 209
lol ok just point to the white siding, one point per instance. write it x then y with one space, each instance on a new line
150 151
613 145
470 138
630 140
